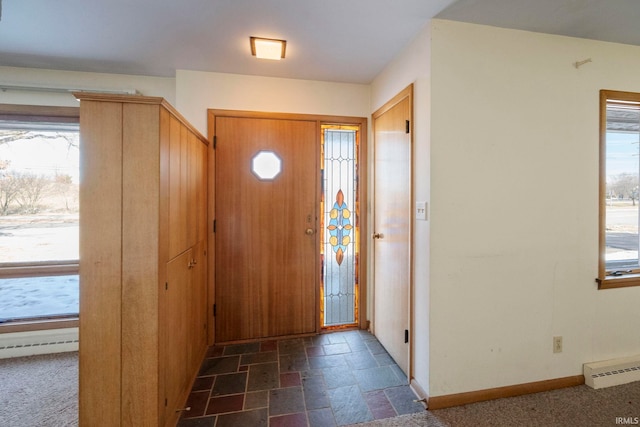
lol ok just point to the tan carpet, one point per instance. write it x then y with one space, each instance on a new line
47 395
574 406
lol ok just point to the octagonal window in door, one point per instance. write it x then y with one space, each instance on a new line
266 165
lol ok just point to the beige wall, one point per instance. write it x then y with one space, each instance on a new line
514 207
197 91
150 86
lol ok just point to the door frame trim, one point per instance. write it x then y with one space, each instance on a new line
407 92
320 120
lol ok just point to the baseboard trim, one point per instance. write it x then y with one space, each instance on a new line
423 397
447 401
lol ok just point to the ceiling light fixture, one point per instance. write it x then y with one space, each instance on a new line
268 48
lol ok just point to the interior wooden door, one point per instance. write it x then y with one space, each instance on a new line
392 226
266 241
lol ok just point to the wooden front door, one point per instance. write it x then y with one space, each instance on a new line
265 227
392 226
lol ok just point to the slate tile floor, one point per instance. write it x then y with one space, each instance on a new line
328 380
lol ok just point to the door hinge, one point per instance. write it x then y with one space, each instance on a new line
215 141
407 128
166 286
406 336
166 401
214 310
214 225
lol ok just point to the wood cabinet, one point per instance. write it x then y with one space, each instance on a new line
143 269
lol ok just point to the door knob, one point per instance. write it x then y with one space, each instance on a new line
309 231
377 235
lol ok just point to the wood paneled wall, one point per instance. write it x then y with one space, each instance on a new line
143 279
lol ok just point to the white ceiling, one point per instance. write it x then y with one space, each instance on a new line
330 40
606 20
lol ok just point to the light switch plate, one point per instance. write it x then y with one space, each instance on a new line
421 211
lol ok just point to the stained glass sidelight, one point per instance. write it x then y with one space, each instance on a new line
340 225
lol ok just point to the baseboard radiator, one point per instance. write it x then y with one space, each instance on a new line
612 372
16 344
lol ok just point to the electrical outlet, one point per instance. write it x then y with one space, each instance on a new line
557 344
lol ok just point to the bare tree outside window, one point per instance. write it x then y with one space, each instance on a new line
8 187
39 182
624 186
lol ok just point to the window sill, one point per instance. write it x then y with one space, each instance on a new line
35 269
614 282
39 324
